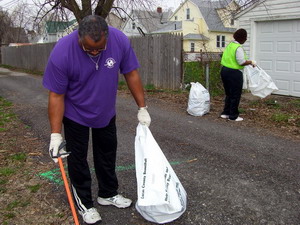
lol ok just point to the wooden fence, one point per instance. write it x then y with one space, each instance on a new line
31 57
160 57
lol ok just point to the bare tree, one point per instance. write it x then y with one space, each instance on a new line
22 20
64 10
82 8
5 24
246 3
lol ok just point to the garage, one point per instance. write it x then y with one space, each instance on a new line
278 53
273 28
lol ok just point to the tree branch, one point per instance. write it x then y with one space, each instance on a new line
103 7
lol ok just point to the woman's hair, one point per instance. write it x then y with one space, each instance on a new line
94 26
240 35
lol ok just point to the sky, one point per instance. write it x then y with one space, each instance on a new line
170 3
10 4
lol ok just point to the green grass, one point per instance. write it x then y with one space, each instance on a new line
16 204
2 129
295 103
4 103
122 85
34 188
5 116
13 205
9 216
280 117
286 118
35 72
7 171
19 157
3 189
242 110
273 104
149 87
255 103
60 215
3 181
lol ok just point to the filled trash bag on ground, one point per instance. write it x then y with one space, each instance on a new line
161 196
199 100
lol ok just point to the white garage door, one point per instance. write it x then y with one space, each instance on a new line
278 53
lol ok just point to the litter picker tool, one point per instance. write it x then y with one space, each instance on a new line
67 187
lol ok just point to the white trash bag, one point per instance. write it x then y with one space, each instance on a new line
259 82
161 196
199 100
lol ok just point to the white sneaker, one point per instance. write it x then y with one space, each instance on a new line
237 119
118 201
90 216
224 116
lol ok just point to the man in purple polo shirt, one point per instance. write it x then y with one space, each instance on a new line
82 79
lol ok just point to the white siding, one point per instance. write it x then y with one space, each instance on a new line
266 11
282 13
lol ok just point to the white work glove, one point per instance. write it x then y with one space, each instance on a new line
253 63
143 116
55 142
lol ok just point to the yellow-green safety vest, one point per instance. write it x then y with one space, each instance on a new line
229 58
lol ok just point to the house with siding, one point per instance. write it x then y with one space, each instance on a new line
206 26
54 30
142 22
273 28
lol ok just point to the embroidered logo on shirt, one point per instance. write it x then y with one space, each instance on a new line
109 63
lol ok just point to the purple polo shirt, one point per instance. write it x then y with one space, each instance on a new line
90 94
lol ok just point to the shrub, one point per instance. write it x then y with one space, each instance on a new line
196 72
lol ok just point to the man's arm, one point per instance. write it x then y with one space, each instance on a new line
135 86
56 108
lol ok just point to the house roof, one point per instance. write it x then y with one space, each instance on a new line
114 20
57 26
209 11
199 37
151 20
170 27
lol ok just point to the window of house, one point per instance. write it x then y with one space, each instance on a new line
175 28
133 26
220 41
192 47
188 16
232 22
176 18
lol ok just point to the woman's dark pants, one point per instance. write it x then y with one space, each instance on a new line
233 84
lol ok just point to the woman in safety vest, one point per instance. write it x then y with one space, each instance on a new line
233 61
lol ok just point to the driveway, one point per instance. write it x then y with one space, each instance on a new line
232 175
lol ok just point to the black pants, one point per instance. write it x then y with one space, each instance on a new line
233 84
104 153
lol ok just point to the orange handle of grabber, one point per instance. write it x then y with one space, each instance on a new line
70 198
